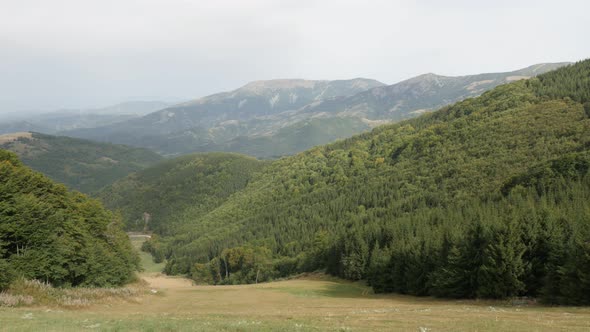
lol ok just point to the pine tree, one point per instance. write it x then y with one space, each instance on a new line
575 272
377 274
502 269
355 257
554 277
461 275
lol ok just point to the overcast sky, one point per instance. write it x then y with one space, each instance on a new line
89 53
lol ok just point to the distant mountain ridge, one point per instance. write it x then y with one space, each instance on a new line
248 103
420 94
249 119
68 119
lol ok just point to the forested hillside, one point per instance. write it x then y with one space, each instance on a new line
61 237
484 198
295 138
181 189
80 164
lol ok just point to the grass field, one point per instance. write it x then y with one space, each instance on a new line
309 303
146 259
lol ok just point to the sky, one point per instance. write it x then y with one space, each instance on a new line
92 53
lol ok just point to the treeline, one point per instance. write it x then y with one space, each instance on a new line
484 198
524 244
568 82
61 237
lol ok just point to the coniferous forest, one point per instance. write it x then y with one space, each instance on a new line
486 198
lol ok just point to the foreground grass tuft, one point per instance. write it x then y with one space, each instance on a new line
10 300
33 292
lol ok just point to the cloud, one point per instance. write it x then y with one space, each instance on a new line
65 53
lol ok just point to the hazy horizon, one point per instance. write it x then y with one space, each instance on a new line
72 54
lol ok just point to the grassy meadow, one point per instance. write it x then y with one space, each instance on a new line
313 302
147 263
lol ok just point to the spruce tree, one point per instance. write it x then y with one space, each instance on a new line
502 269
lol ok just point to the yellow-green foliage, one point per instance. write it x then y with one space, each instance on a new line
34 292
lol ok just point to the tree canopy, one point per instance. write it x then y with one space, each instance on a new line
61 237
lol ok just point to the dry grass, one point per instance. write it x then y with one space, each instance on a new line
11 300
516 78
476 85
14 136
311 302
34 292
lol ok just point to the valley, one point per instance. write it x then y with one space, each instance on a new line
485 198
294 166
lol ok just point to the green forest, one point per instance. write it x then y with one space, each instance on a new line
179 189
57 236
294 138
486 198
80 164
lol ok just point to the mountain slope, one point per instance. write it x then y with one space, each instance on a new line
419 94
485 198
138 107
294 138
50 234
256 99
80 164
187 186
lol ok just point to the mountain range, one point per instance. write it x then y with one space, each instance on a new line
282 117
484 198
256 108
